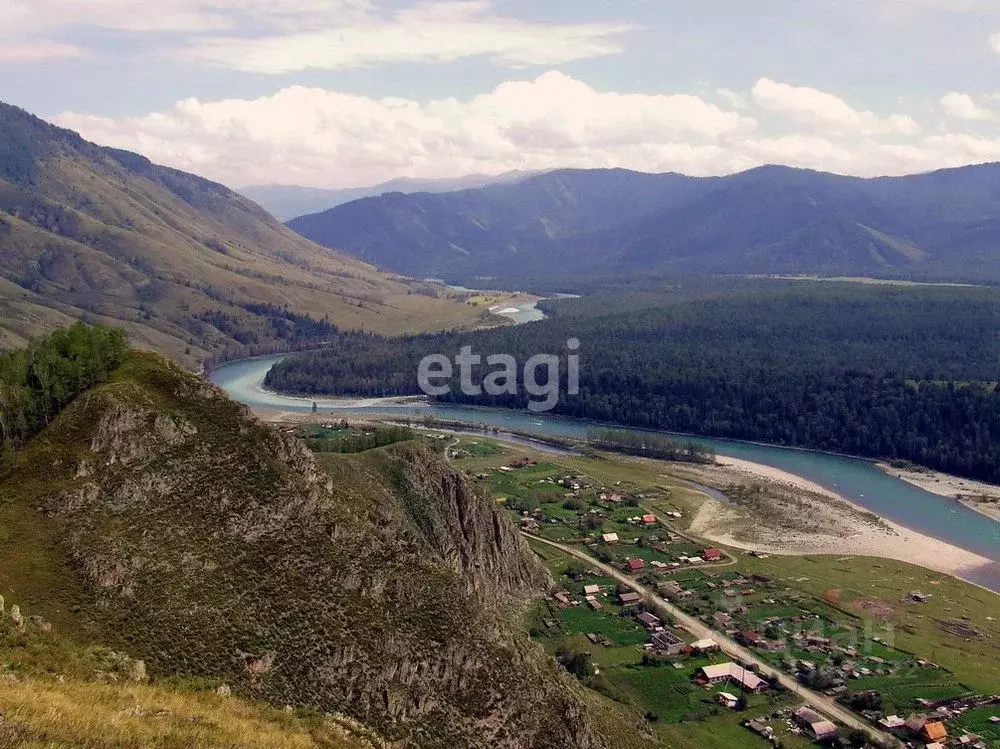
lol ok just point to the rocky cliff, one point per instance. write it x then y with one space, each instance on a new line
157 516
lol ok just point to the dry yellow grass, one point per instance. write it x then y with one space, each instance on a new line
49 714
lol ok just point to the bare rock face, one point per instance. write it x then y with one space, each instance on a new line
371 586
439 508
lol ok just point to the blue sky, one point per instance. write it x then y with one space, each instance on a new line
349 92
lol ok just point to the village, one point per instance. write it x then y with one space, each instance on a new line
632 528
821 654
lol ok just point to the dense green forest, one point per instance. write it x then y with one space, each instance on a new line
878 371
37 382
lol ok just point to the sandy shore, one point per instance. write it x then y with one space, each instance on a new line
842 528
976 495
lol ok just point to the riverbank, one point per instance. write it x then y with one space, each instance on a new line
776 512
858 480
976 495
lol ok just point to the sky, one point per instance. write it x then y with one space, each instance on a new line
342 93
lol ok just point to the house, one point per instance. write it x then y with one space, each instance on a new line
751 638
668 643
591 590
892 722
630 599
704 646
634 565
722 619
650 621
649 519
731 673
728 700
713 555
934 731
814 724
610 538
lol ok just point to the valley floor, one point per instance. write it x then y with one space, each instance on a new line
777 512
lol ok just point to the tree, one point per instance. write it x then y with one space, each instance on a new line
857 738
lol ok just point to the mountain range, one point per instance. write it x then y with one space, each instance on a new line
288 201
187 266
942 225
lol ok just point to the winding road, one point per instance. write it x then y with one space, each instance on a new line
820 702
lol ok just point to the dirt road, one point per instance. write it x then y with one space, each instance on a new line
820 702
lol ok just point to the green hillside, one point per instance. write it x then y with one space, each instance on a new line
157 518
187 266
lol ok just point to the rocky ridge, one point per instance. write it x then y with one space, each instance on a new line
186 533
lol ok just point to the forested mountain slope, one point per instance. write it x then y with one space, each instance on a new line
771 220
496 230
157 517
187 266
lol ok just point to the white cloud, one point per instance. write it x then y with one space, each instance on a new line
34 52
734 98
323 138
964 107
433 32
826 112
313 136
282 36
34 16
995 42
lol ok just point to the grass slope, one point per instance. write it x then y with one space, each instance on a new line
105 235
54 692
